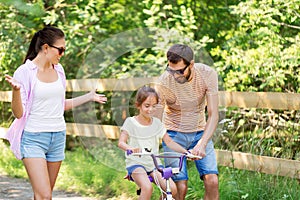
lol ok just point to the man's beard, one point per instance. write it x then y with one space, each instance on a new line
182 79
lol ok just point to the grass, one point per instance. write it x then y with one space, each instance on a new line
242 184
84 174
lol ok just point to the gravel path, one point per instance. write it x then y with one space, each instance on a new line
20 189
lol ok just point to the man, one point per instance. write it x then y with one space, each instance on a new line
185 89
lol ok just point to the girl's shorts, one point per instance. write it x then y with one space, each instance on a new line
131 168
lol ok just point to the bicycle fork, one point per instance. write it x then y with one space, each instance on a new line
168 191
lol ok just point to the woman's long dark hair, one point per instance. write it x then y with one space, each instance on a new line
47 35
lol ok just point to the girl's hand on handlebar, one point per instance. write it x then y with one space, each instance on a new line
133 150
136 150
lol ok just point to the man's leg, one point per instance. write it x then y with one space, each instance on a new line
181 178
211 184
181 189
208 171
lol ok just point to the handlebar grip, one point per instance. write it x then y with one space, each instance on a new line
128 152
189 155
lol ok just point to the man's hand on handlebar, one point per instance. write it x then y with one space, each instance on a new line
191 156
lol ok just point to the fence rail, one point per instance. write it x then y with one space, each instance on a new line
269 100
239 160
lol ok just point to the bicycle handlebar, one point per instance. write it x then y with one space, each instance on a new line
166 172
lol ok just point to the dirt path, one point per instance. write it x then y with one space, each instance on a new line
20 189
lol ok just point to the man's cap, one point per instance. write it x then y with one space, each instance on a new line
183 51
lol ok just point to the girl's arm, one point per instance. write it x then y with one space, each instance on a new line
122 144
91 96
16 102
173 145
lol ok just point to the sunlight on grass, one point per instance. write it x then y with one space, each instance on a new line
80 172
9 165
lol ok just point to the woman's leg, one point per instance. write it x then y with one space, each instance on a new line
140 177
37 171
53 169
43 154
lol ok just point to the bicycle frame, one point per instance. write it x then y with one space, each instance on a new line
167 172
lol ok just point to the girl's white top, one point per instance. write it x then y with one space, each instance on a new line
141 136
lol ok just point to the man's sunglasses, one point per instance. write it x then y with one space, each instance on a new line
179 71
60 49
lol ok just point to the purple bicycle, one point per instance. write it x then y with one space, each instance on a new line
166 172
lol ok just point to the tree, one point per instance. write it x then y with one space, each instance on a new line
263 53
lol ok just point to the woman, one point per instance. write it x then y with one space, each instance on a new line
37 135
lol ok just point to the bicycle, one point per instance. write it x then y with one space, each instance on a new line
166 172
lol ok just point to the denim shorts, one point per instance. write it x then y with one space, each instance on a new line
207 165
131 168
47 145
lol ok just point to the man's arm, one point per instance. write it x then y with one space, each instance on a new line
211 124
159 108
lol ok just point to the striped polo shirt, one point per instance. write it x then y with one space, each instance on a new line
183 105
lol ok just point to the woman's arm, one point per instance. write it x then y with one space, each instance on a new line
91 96
16 102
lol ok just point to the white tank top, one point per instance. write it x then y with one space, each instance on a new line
47 111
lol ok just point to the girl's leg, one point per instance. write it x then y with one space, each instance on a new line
162 183
37 171
140 177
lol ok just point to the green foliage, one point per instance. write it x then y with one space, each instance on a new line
254 45
260 132
81 173
242 184
96 180
262 54
15 31
6 116
173 23
9 165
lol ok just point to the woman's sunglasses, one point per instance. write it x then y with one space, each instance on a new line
60 49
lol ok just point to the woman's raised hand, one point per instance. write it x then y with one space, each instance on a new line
14 84
100 98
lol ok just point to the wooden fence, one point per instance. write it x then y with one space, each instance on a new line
239 160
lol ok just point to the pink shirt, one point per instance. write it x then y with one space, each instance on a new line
26 76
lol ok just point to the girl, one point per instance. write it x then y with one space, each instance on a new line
38 134
144 132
